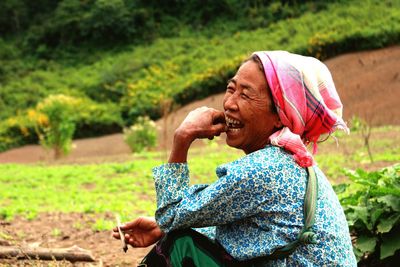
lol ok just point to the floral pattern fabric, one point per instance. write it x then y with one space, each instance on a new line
254 207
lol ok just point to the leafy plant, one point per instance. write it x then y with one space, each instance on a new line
141 135
372 207
54 120
56 232
103 225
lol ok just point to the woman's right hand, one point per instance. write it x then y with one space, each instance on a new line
141 232
202 122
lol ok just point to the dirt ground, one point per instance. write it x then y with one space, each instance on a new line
368 83
106 250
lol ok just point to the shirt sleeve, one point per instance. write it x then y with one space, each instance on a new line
235 195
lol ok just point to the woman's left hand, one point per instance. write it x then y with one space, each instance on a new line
141 232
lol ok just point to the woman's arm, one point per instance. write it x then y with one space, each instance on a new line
200 123
237 194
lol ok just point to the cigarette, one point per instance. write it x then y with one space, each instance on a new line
121 234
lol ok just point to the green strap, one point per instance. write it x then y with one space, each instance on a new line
310 206
306 235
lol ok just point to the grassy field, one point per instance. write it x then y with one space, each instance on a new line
127 188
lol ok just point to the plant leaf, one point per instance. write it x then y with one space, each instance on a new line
340 188
391 201
390 243
366 243
362 213
375 216
387 224
358 253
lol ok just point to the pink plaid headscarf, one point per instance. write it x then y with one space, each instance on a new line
306 99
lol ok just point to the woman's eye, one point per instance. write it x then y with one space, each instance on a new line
244 96
230 90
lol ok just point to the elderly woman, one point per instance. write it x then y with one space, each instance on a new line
272 207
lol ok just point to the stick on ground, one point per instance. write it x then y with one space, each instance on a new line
71 254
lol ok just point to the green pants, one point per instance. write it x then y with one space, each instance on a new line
188 248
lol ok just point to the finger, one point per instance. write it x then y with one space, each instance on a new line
130 225
115 229
218 117
217 129
127 237
214 130
116 236
125 226
131 242
146 223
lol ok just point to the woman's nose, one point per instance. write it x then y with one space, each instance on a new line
230 102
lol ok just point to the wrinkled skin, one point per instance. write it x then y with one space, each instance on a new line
248 104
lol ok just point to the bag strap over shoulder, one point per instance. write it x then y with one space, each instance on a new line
306 235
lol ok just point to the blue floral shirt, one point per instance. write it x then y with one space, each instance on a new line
254 207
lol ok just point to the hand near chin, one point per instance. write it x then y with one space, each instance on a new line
203 122
141 232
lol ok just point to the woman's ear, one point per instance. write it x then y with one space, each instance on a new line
278 124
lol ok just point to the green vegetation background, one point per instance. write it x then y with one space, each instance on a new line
128 58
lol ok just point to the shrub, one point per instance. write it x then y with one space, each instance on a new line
372 207
55 121
141 135
16 131
91 118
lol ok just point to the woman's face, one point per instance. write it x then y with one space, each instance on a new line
248 112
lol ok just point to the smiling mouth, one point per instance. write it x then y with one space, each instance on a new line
233 125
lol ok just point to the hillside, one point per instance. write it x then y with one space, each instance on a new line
114 86
368 83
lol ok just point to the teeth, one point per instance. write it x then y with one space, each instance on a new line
231 121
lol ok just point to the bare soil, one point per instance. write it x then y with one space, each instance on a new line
368 83
72 229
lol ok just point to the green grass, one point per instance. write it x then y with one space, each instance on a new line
121 188
352 153
127 188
